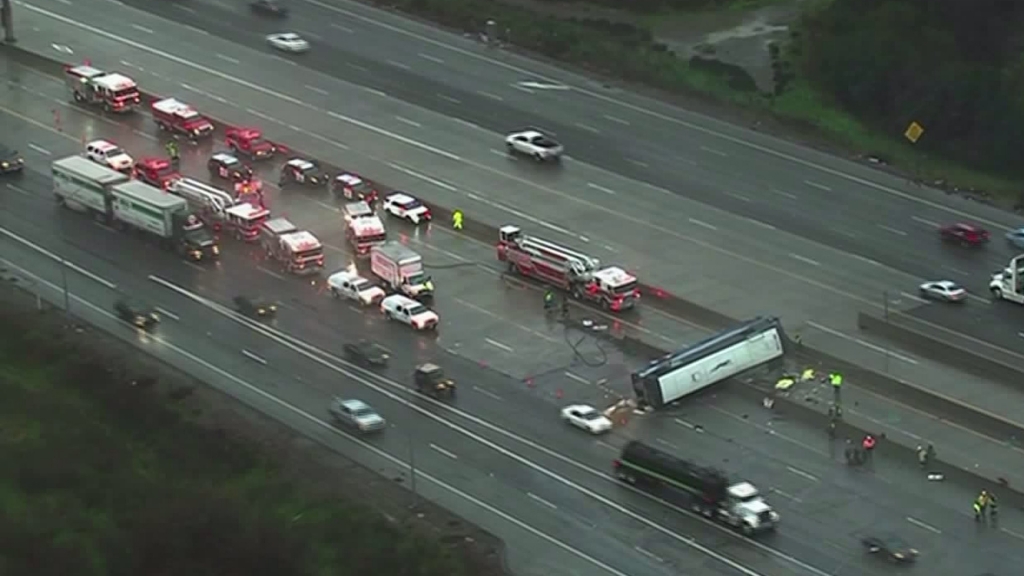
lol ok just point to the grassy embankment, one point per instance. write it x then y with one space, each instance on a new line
102 477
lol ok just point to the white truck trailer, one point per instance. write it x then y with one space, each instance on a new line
129 204
401 269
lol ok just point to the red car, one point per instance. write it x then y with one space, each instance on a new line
250 142
966 234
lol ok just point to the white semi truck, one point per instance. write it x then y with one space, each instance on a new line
1008 284
401 269
113 198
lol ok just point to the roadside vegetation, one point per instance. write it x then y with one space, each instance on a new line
853 73
104 473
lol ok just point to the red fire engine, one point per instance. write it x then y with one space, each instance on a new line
176 116
249 141
159 172
114 92
244 221
574 272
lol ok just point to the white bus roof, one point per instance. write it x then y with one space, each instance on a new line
89 170
142 192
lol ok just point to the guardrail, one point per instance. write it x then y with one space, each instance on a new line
662 299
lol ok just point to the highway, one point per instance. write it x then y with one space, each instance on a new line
502 433
709 216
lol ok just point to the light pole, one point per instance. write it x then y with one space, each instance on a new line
7 16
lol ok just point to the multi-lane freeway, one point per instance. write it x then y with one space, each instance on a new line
499 455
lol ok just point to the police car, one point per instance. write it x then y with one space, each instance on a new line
401 205
302 172
228 166
353 187
109 154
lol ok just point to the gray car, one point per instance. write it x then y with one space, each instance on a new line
1016 238
357 415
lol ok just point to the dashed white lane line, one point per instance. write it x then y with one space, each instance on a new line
374 91
802 474
913 297
579 379
168 313
328 206
254 357
229 59
739 197
447 453
342 28
713 151
892 230
315 89
590 129
541 501
408 122
488 393
638 163
804 259
270 273
648 553
497 344
702 224
433 59
817 185
40 149
925 221
142 29
785 495
449 99
921 524
783 193
398 65
600 188
867 345
491 96
616 120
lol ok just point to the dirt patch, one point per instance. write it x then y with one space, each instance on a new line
314 469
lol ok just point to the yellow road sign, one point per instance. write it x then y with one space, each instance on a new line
914 132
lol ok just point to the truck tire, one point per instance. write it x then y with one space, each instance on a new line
997 293
745 529
106 106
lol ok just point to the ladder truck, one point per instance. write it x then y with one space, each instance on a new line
572 271
1008 284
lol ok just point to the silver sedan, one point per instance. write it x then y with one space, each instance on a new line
288 42
945 290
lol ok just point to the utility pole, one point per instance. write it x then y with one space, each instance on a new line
7 17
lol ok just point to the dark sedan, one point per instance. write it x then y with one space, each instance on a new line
271 8
137 314
891 547
367 353
257 308
10 161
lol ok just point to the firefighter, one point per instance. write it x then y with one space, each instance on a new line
868 444
457 219
172 151
993 506
549 299
980 506
836 380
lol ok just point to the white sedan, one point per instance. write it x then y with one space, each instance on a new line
945 290
586 418
534 144
288 42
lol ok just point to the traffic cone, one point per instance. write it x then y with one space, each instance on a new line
529 383
558 394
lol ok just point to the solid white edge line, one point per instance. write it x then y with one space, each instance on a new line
58 259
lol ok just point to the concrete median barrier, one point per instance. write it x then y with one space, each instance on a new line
933 342
664 300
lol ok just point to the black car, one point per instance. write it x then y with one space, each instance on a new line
892 547
367 353
255 307
269 8
136 314
301 171
228 166
10 161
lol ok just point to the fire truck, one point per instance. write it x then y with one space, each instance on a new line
244 221
114 92
365 232
159 172
298 251
249 141
574 272
175 116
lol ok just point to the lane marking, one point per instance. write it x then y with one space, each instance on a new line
373 91
606 445
802 474
412 123
449 99
433 59
229 59
764 225
497 344
783 193
920 524
915 298
178 6
488 393
739 197
270 273
892 230
521 88
541 501
638 163
713 151
382 384
142 29
649 554
424 177
664 442
59 259
925 221
590 129
804 259
616 120
684 423
451 455
19 190
956 271
320 91
702 224
491 96
786 495
168 313
867 345
328 206
353 66
579 379
342 28
1012 533
601 188
40 149
254 357
818 186
398 65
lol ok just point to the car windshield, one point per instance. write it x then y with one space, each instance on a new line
364 412
417 309
590 415
115 151
361 285
417 279
412 204
231 162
